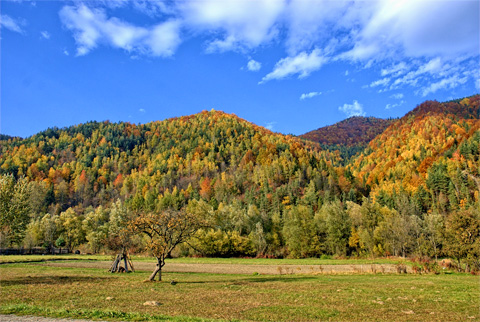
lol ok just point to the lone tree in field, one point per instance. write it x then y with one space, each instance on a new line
165 231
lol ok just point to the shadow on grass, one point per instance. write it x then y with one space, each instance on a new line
51 280
46 260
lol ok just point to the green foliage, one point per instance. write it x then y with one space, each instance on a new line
60 242
96 227
338 227
217 243
119 235
70 227
302 235
396 232
433 226
462 236
14 209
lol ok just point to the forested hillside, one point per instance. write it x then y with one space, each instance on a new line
354 131
413 191
432 154
213 160
349 136
211 155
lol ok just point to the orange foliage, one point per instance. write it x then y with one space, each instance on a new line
206 188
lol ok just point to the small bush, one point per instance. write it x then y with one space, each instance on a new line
401 269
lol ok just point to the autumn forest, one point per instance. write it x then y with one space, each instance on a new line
364 187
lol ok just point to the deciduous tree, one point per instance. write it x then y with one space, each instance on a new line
14 209
165 230
463 237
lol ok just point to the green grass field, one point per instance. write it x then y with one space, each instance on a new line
72 292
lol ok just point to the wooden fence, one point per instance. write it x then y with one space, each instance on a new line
33 251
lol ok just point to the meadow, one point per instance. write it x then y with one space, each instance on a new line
33 288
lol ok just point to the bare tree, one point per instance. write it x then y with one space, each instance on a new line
165 231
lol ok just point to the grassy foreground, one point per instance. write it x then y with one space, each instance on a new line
96 294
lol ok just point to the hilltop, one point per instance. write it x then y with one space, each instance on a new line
354 131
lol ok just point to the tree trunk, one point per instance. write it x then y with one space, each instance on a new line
125 262
158 269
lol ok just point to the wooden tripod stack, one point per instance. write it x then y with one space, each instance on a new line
116 266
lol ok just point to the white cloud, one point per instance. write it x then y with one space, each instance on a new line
236 25
411 42
427 74
396 69
92 27
222 45
309 95
368 29
433 66
45 34
355 109
418 28
408 79
270 125
390 106
142 110
164 38
65 52
303 64
450 82
152 8
253 65
421 42
10 23
309 22
397 96
380 82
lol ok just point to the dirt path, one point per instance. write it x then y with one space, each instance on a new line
242 269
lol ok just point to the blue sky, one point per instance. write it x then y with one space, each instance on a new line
292 66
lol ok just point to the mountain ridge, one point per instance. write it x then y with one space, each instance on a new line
353 131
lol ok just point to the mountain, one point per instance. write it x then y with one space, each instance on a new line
211 155
348 137
354 131
431 153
